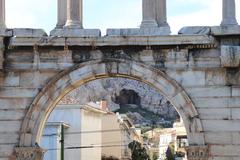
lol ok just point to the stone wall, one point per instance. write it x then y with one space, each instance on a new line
206 67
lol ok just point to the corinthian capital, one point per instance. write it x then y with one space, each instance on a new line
29 153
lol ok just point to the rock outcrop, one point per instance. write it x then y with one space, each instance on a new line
121 91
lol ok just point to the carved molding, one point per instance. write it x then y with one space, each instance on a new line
197 152
29 153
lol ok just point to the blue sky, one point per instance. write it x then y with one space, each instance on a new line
114 13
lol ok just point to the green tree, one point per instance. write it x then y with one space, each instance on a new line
138 152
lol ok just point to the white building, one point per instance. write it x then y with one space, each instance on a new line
176 135
120 132
91 131
166 137
83 132
180 140
51 139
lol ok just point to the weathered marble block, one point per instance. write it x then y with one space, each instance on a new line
148 31
75 32
225 30
230 56
195 30
6 32
28 32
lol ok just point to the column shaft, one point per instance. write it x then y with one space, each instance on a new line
74 14
2 14
161 13
62 13
148 14
228 13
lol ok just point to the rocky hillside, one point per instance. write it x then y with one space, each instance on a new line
139 100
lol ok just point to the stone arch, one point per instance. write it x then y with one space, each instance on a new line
66 81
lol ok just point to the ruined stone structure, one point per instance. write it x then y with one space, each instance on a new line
197 70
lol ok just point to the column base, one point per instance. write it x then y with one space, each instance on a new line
28 32
165 24
225 30
229 22
157 31
75 32
29 153
59 26
73 24
148 24
3 26
197 152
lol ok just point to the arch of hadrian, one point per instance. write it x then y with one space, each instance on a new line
197 70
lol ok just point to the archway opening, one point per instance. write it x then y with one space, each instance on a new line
46 101
103 118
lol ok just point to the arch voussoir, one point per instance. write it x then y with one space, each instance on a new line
183 101
80 74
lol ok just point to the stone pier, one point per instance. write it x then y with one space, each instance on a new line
62 13
228 13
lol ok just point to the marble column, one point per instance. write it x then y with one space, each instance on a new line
2 14
74 14
161 13
228 13
29 153
148 14
62 13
